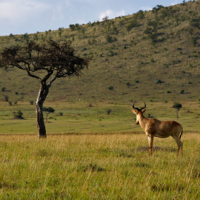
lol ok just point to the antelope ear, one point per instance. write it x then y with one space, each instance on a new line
135 112
143 111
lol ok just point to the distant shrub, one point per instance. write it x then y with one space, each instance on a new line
110 39
31 102
18 114
166 65
109 111
158 81
152 60
136 81
168 91
111 53
121 22
125 47
131 25
194 41
10 103
128 84
3 89
182 92
16 93
6 98
61 113
111 88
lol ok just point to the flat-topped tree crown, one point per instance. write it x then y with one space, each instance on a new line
57 59
51 57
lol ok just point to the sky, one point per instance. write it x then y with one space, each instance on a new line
31 16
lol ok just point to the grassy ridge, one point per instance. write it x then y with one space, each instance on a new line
98 167
126 64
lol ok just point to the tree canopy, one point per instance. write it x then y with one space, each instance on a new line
51 57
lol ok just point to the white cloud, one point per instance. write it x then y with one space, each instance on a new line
174 3
60 9
16 11
111 14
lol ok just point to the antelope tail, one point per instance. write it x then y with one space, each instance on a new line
181 134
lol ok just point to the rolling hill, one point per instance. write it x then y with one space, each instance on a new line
148 56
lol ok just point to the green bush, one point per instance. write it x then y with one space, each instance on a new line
158 81
131 25
31 102
110 39
111 88
18 114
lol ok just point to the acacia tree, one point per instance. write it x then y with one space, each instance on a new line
57 60
178 106
48 111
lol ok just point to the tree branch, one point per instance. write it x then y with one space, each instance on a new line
32 75
52 80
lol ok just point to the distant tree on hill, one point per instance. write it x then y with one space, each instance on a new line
157 8
195 22
140 14
105 18
152 30
57 60
72 27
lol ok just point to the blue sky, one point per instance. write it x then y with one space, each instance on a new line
30 16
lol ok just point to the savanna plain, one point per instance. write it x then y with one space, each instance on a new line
93 162
94 149
112 166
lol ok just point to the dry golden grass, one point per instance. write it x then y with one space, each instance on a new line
98 167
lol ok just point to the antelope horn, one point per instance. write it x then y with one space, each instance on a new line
134 107
144 106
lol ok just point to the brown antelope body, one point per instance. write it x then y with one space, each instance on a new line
162 129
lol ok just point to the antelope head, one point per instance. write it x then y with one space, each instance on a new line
138 112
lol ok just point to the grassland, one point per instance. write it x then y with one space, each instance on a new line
98 167
82 118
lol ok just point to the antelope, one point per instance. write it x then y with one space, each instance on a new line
161 129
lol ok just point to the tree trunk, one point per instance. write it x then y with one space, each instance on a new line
43 92
47 116
177 113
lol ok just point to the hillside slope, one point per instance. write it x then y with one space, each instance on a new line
147 56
